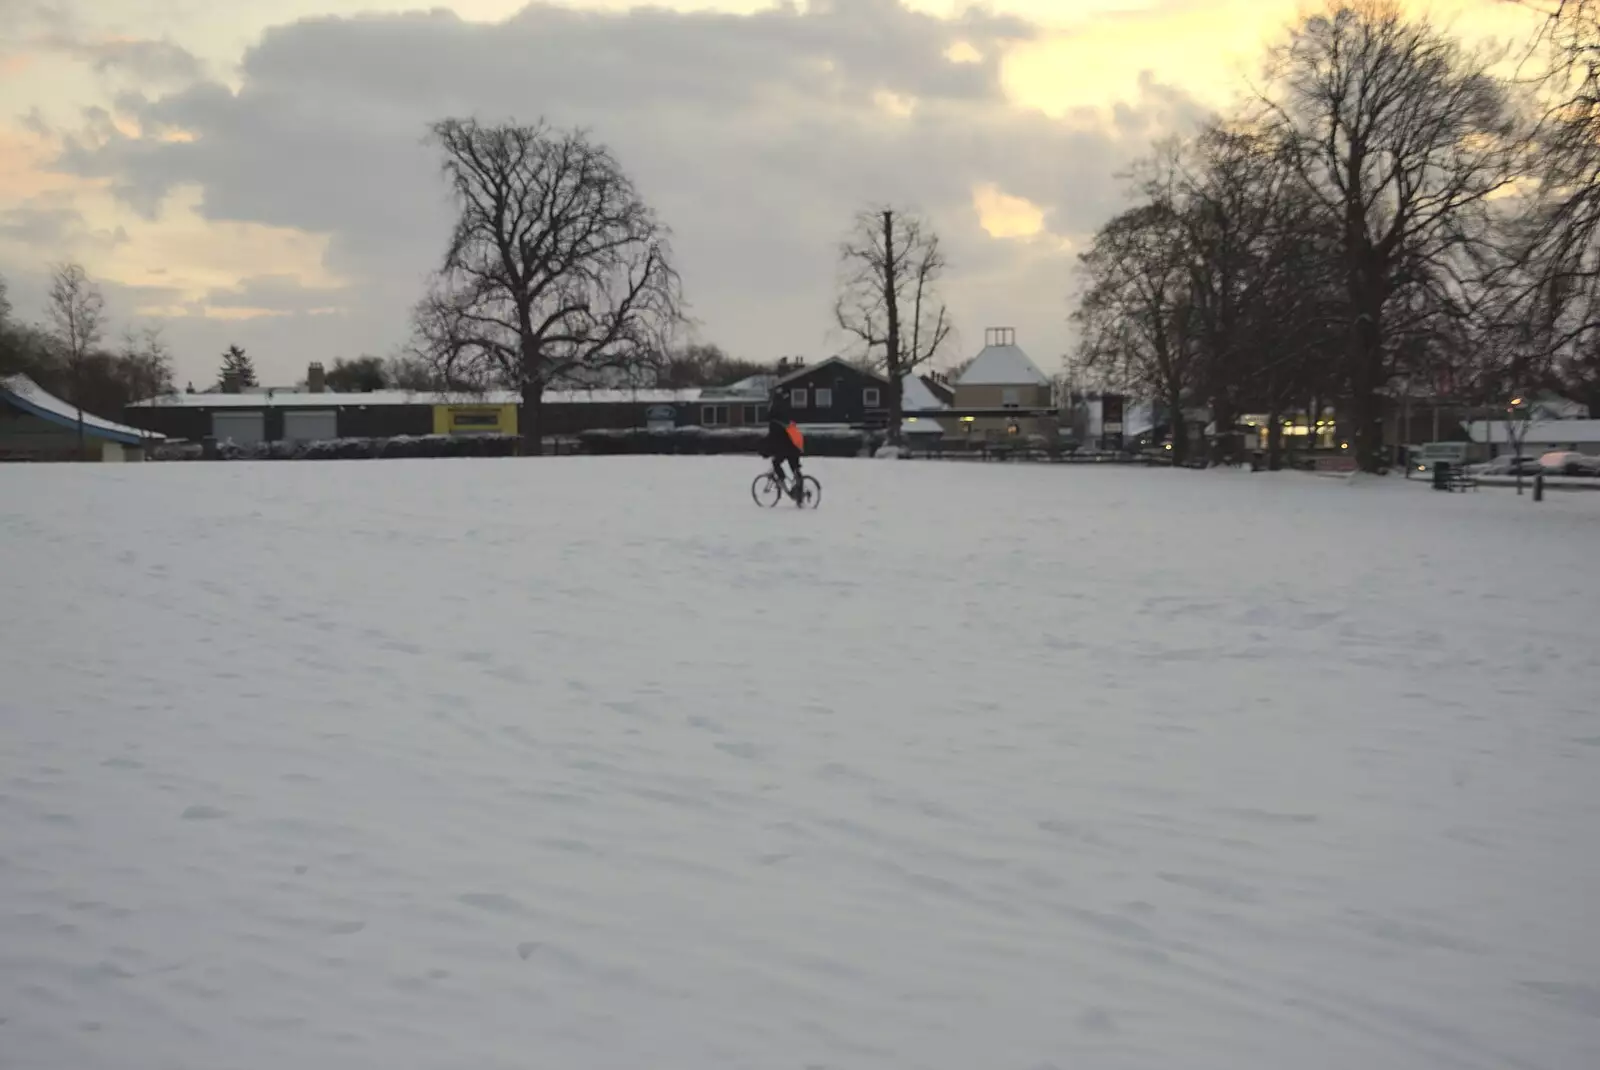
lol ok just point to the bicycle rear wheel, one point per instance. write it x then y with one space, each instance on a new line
766 491
810 492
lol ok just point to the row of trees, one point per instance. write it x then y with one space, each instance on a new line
67 353
1385 215
558 274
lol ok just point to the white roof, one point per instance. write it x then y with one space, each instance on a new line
1002 366
331 399
1538 432
32 397
916 397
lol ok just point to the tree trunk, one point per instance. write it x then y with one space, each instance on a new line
1366 379
1222 441
891 308
531 424
1275 437
1180 431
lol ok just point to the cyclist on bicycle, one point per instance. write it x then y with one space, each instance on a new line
784 441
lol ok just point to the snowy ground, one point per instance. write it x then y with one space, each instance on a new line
591 763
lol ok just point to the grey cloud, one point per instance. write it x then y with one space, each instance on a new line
44 224
40 227
277 292
59 26
153 62
753 148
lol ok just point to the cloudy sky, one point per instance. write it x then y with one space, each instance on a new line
254 171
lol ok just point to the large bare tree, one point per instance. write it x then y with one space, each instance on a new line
1135 315
76 310
888 300
557 273
1551 291
1403 136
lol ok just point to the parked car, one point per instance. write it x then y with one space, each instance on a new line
1570 463
1506 465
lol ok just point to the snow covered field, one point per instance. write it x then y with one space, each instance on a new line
591 763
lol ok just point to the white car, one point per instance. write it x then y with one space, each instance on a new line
1504 465
1570 463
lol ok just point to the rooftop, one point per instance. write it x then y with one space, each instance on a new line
35 400
305 399
1001 362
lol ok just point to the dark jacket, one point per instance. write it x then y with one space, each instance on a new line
778 445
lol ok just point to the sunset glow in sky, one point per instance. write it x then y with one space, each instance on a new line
248 177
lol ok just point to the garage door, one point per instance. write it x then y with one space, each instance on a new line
311 425
244 428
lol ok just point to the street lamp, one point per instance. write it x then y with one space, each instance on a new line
1517 417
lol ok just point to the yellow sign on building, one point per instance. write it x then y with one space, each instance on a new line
474 419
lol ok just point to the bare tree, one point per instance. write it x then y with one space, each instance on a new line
1403 136
1135 315
1553 275
888 298
76 311
146 364
557 272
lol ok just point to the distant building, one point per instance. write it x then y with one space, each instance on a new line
836 393
1537 436
313 414
35 425
923 409
1003 376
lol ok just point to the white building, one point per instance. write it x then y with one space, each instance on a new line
1537 436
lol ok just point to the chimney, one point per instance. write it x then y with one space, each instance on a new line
316 378
999 336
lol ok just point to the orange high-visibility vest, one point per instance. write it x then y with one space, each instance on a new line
796 437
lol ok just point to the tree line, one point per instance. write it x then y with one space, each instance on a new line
558 275
1385 215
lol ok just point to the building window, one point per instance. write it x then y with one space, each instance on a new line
870 397
714 415
761 414
1010 397
798 397
749 415
824 397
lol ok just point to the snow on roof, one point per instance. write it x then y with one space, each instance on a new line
916 397
32 398
807 369
1537 433
1002 365
331 399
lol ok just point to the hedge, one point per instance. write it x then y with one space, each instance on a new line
703 441
678 440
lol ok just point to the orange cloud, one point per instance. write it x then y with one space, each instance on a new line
24 168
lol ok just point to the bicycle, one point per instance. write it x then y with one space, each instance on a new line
769 488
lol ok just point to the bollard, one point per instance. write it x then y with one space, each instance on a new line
1538 486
